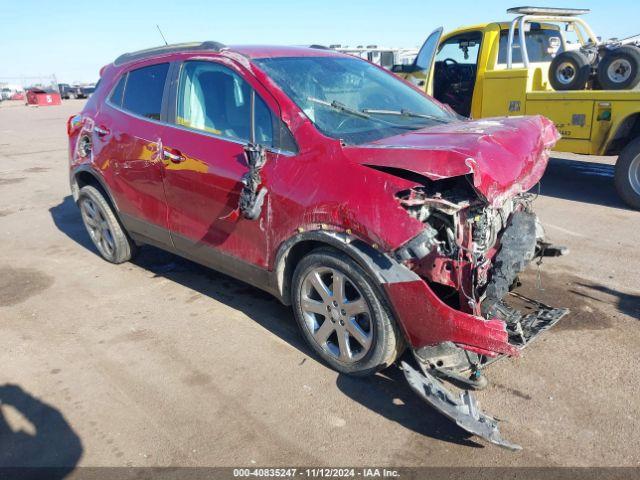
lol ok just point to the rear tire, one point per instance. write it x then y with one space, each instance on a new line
620 68
354 331
627 174
569 71
104 229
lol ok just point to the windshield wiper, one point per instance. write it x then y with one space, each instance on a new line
406 113
340 107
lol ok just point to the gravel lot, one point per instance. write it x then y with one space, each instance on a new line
163 362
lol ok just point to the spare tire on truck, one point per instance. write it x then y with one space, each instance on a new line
619 69
570 71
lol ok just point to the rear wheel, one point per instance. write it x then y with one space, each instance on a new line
103 227
569 71
620 68
342 315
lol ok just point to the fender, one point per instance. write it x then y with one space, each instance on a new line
381 267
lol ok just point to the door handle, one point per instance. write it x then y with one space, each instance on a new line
101 130
174 156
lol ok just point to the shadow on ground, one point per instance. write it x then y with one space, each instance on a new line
581 181
35 439
387 394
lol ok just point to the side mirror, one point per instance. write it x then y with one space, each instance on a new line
252 196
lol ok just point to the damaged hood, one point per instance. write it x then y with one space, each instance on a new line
505 156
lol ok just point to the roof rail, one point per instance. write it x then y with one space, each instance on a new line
175 48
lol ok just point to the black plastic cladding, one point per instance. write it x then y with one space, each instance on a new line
210 46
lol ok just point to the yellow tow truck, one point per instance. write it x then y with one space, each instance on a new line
503 68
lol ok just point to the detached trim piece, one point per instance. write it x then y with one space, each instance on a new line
209 46
464 412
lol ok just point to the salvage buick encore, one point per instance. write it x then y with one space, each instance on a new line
385 220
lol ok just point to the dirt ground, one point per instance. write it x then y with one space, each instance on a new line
163 362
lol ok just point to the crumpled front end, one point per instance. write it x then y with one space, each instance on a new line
468 258
462 312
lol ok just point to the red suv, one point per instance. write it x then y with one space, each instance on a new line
385 220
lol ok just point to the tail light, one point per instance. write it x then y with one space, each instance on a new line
74 123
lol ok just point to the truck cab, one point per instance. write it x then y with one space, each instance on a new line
483 71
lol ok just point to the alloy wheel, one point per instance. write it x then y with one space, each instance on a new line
336 314
98 227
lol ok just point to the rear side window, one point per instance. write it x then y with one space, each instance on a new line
116 94
143 90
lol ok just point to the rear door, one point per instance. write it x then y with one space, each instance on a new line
129 129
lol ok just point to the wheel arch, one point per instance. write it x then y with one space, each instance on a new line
381 267
86 175
627 131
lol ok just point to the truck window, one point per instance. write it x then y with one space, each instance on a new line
455 69
542 45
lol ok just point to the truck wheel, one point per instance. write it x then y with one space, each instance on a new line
627 174
620 68
342 314
569 71
103 227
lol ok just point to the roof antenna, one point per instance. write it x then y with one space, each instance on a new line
164 39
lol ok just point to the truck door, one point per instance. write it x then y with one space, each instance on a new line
419 72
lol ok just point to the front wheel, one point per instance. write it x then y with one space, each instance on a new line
342 315
627 174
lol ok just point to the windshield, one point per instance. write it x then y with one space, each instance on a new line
352 100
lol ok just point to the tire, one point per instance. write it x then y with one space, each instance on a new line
627 174
569 71
371 334
620 68
104 229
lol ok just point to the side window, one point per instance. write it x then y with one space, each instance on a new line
143 90
118 91
542 45
462 49
213 98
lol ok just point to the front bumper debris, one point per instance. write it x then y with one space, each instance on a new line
526 319
464 412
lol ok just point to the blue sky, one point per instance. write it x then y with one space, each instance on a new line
74 39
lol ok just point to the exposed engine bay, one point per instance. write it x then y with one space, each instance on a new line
470 254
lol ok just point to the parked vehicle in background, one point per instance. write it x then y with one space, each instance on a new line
386 221
502 68
6 93
64 90
385 57
70 92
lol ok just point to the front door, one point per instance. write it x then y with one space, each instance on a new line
205 161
